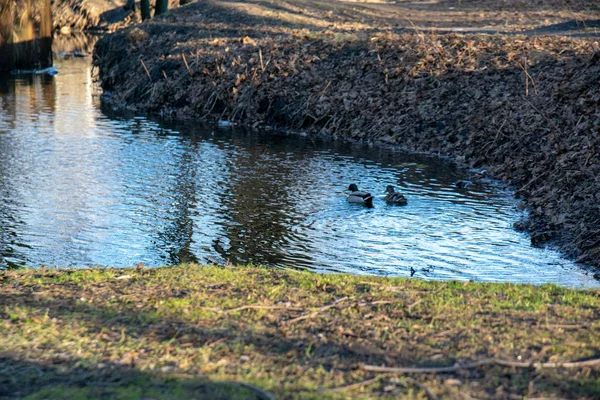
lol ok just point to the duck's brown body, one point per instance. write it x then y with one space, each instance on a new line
394 198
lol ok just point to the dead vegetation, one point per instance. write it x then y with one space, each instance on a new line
94 15
526 108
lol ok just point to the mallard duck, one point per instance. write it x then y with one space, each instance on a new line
392 197
463 184
358 197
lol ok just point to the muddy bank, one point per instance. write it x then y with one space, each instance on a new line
525 108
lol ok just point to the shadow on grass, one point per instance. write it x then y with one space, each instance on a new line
56 374
290 352
35 380
264 337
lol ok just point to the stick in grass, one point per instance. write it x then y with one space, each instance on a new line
487 361
186 64
146 69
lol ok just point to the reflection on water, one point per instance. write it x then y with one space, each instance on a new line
78 187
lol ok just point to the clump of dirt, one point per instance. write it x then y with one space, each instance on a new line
525 108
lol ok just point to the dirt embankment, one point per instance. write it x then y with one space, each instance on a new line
525 108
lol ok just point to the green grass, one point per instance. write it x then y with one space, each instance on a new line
200 332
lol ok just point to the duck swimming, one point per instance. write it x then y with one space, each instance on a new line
393 197
463 184
358 197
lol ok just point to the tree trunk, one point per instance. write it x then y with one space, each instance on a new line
145 9
161 7
130 5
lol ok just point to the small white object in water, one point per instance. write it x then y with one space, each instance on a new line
225 124
50 71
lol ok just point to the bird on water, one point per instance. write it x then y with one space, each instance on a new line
393 197
359 197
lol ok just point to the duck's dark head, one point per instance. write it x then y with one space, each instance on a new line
389 189
353 187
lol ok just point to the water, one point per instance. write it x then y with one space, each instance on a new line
79 187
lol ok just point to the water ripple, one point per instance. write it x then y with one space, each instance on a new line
81 188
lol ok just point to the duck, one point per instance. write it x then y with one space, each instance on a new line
359 197
463 184
393 197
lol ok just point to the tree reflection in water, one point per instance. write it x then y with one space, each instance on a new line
82 186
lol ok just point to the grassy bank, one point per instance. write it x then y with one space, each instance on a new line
212 332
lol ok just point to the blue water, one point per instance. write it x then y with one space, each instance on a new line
80 186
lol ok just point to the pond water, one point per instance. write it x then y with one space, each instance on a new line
81 187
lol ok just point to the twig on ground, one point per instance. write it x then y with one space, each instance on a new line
487 361
315 313
545 116
261 307
146 69
377 302
186 64
565 326
262 66
533 180
528 78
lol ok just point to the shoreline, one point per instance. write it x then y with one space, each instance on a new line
524 108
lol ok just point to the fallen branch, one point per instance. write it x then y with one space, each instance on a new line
261 307
315 313
146 69
487 361
565 326
251 307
